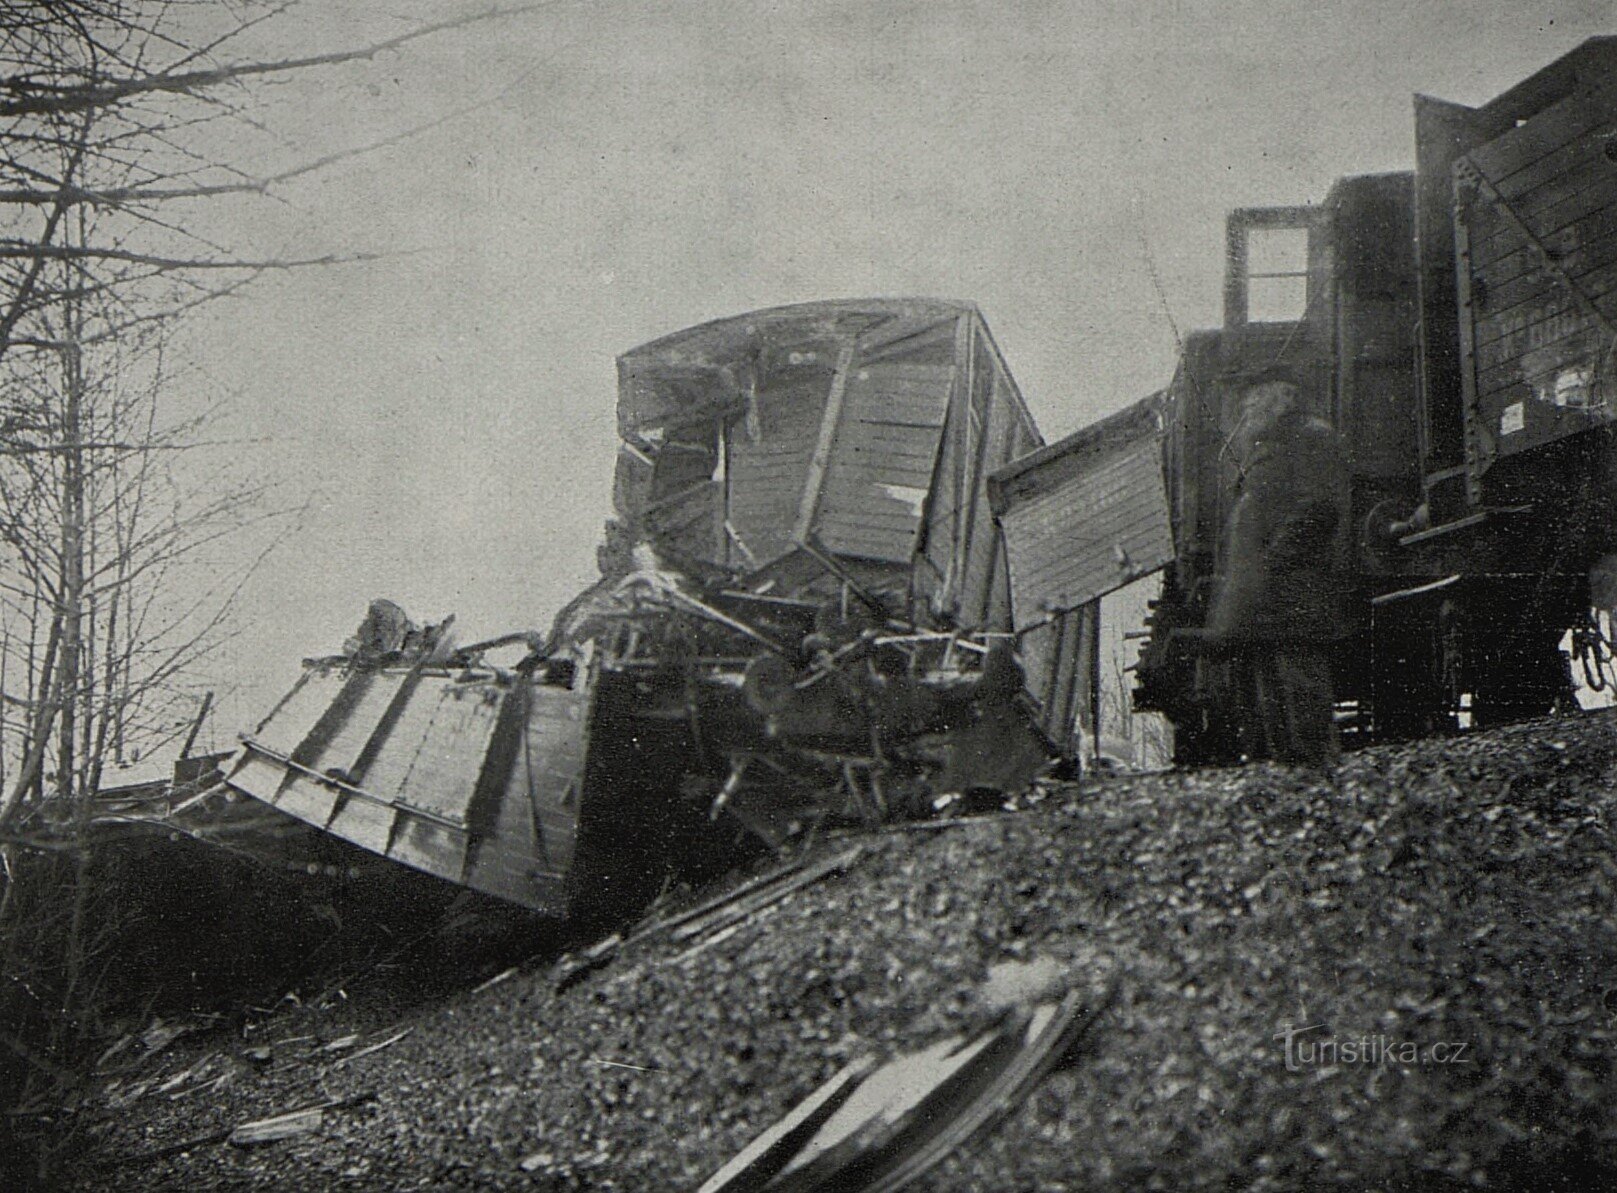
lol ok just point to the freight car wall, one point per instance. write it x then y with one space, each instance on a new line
1536 212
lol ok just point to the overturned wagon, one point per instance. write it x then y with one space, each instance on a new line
806 611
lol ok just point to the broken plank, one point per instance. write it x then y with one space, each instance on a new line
224 1133
758 1162
728 913
272 1130
377 1047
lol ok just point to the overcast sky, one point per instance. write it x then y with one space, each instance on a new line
631 168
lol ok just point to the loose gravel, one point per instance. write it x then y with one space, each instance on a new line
1445 907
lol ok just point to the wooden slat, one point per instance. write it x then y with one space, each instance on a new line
868 543
867 474
388 770
305 798
1535 329
1573 249
1541 298
900 371
1576 346
427 846
442 777
366 824
292 720
852 512
1593 274
1561 124
1574 217
820 461
901 413
255 775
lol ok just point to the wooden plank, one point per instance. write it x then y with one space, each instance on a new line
337 723
1536 329
298 713
882 386
384 777
366 824
877 458
449 752
899 413
821 459
434 848
303 797
906 371
255 775
894 524
885 536
1569 247
1576 346
1594 274
983 540
868 475
1586 110
1554 172
899 436
877 465
862 544
348 744
766 1155
1544 300
1493 238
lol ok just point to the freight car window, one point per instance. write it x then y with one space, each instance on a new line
1277 275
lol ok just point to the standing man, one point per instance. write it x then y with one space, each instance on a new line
1276 603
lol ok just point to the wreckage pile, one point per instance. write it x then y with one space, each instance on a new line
1456 893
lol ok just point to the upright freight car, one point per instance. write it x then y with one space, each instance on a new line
1457 326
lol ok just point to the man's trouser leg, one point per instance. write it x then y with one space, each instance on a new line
1301 708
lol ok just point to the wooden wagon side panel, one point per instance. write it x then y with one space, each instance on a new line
1003 438
1090 535
881 464
459 775
1536 246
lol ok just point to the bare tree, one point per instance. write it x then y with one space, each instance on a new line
112 581
107 110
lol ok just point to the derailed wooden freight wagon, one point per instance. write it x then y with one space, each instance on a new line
805 612
863 430
820 472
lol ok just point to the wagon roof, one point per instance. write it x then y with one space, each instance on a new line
723 338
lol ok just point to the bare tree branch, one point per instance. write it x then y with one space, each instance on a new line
39 97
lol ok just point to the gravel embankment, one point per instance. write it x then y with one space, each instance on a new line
1456 893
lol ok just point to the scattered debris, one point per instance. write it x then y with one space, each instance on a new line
876 1130
377 1047
161 1034
767 1155
282 1126
536 1161
751 898
573 967
618 1064
1012 983
503 975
